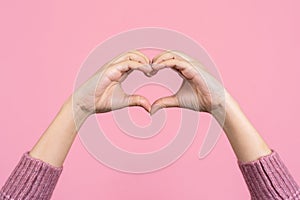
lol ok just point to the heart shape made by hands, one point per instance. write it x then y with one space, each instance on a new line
199 91
103 92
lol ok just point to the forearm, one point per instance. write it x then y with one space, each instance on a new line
56 141
36 174
246 142
264 172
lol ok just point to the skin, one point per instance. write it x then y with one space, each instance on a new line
55 143
206 94
200 92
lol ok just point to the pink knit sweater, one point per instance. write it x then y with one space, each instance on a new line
266 178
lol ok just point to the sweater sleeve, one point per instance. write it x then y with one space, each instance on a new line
31 179
268 178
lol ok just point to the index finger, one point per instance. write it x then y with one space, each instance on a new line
166 55
147 61
130 56
184 68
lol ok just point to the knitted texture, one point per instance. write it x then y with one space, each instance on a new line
268 178
31 179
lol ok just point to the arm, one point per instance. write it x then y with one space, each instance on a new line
245 141
202 92
264 172
57 140
38 171
55 143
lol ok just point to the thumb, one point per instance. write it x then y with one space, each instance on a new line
138 100
165 102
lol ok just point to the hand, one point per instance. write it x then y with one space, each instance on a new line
95 95
199 91
103 91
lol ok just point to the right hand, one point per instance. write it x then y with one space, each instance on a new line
199 91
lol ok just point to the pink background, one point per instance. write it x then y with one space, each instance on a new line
255 45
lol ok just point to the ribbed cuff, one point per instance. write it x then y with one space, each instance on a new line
268 178
31 179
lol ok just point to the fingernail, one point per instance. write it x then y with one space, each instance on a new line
148 74
154 110
152 113
149 110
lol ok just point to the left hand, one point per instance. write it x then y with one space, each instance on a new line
103 92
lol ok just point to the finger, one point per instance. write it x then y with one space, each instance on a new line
182 56
138 100
132 55
176 64
158 55
147 60
127 66
183 67
167 55
165 102
162 56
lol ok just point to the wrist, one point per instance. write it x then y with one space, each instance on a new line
78 112
224 108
